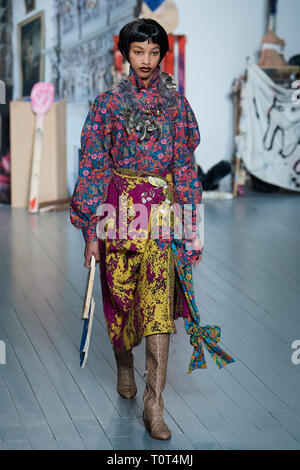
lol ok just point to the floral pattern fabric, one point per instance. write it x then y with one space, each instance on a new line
107 148
105 144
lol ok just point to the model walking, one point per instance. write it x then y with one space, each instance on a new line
137 146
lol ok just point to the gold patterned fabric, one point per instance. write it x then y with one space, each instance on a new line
145 284
142 290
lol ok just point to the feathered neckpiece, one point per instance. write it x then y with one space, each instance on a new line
143 120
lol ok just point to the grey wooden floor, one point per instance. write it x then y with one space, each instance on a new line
247 282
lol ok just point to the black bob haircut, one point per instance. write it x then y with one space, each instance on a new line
141 30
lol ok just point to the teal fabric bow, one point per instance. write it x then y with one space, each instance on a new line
207 335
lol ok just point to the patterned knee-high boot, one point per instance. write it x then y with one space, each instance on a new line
157 351
126 383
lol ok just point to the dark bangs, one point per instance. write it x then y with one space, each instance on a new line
142 30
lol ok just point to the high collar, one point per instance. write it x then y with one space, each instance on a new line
138 83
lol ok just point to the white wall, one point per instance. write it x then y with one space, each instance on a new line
220 35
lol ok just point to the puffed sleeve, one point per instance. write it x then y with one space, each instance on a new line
188 186
94 169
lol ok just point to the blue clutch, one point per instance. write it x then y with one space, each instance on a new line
87 315
86 335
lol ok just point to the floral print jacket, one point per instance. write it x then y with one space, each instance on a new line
105 144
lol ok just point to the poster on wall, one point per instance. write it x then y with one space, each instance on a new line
31 36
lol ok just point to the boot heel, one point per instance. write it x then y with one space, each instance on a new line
147 426
161 435
126 384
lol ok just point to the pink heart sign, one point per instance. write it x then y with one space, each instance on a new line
42 96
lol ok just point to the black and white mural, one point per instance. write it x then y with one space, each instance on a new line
82 61
86 68
269 140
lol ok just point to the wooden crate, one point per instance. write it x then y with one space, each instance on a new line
53 182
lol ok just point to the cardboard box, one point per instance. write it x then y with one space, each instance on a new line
53 182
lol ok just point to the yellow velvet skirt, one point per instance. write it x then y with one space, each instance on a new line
140 287
142 292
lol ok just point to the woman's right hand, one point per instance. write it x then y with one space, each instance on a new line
91 249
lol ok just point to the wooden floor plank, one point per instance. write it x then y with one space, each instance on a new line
48 398
247 282
48 342
26 404
11 425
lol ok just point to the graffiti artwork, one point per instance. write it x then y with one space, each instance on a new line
282 123
85 65
269 139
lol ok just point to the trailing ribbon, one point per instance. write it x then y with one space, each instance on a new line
207 335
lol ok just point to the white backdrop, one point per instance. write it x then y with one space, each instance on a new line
269 143
220 36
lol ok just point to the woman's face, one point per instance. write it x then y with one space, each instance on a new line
144 58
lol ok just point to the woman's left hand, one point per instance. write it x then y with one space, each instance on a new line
197 245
